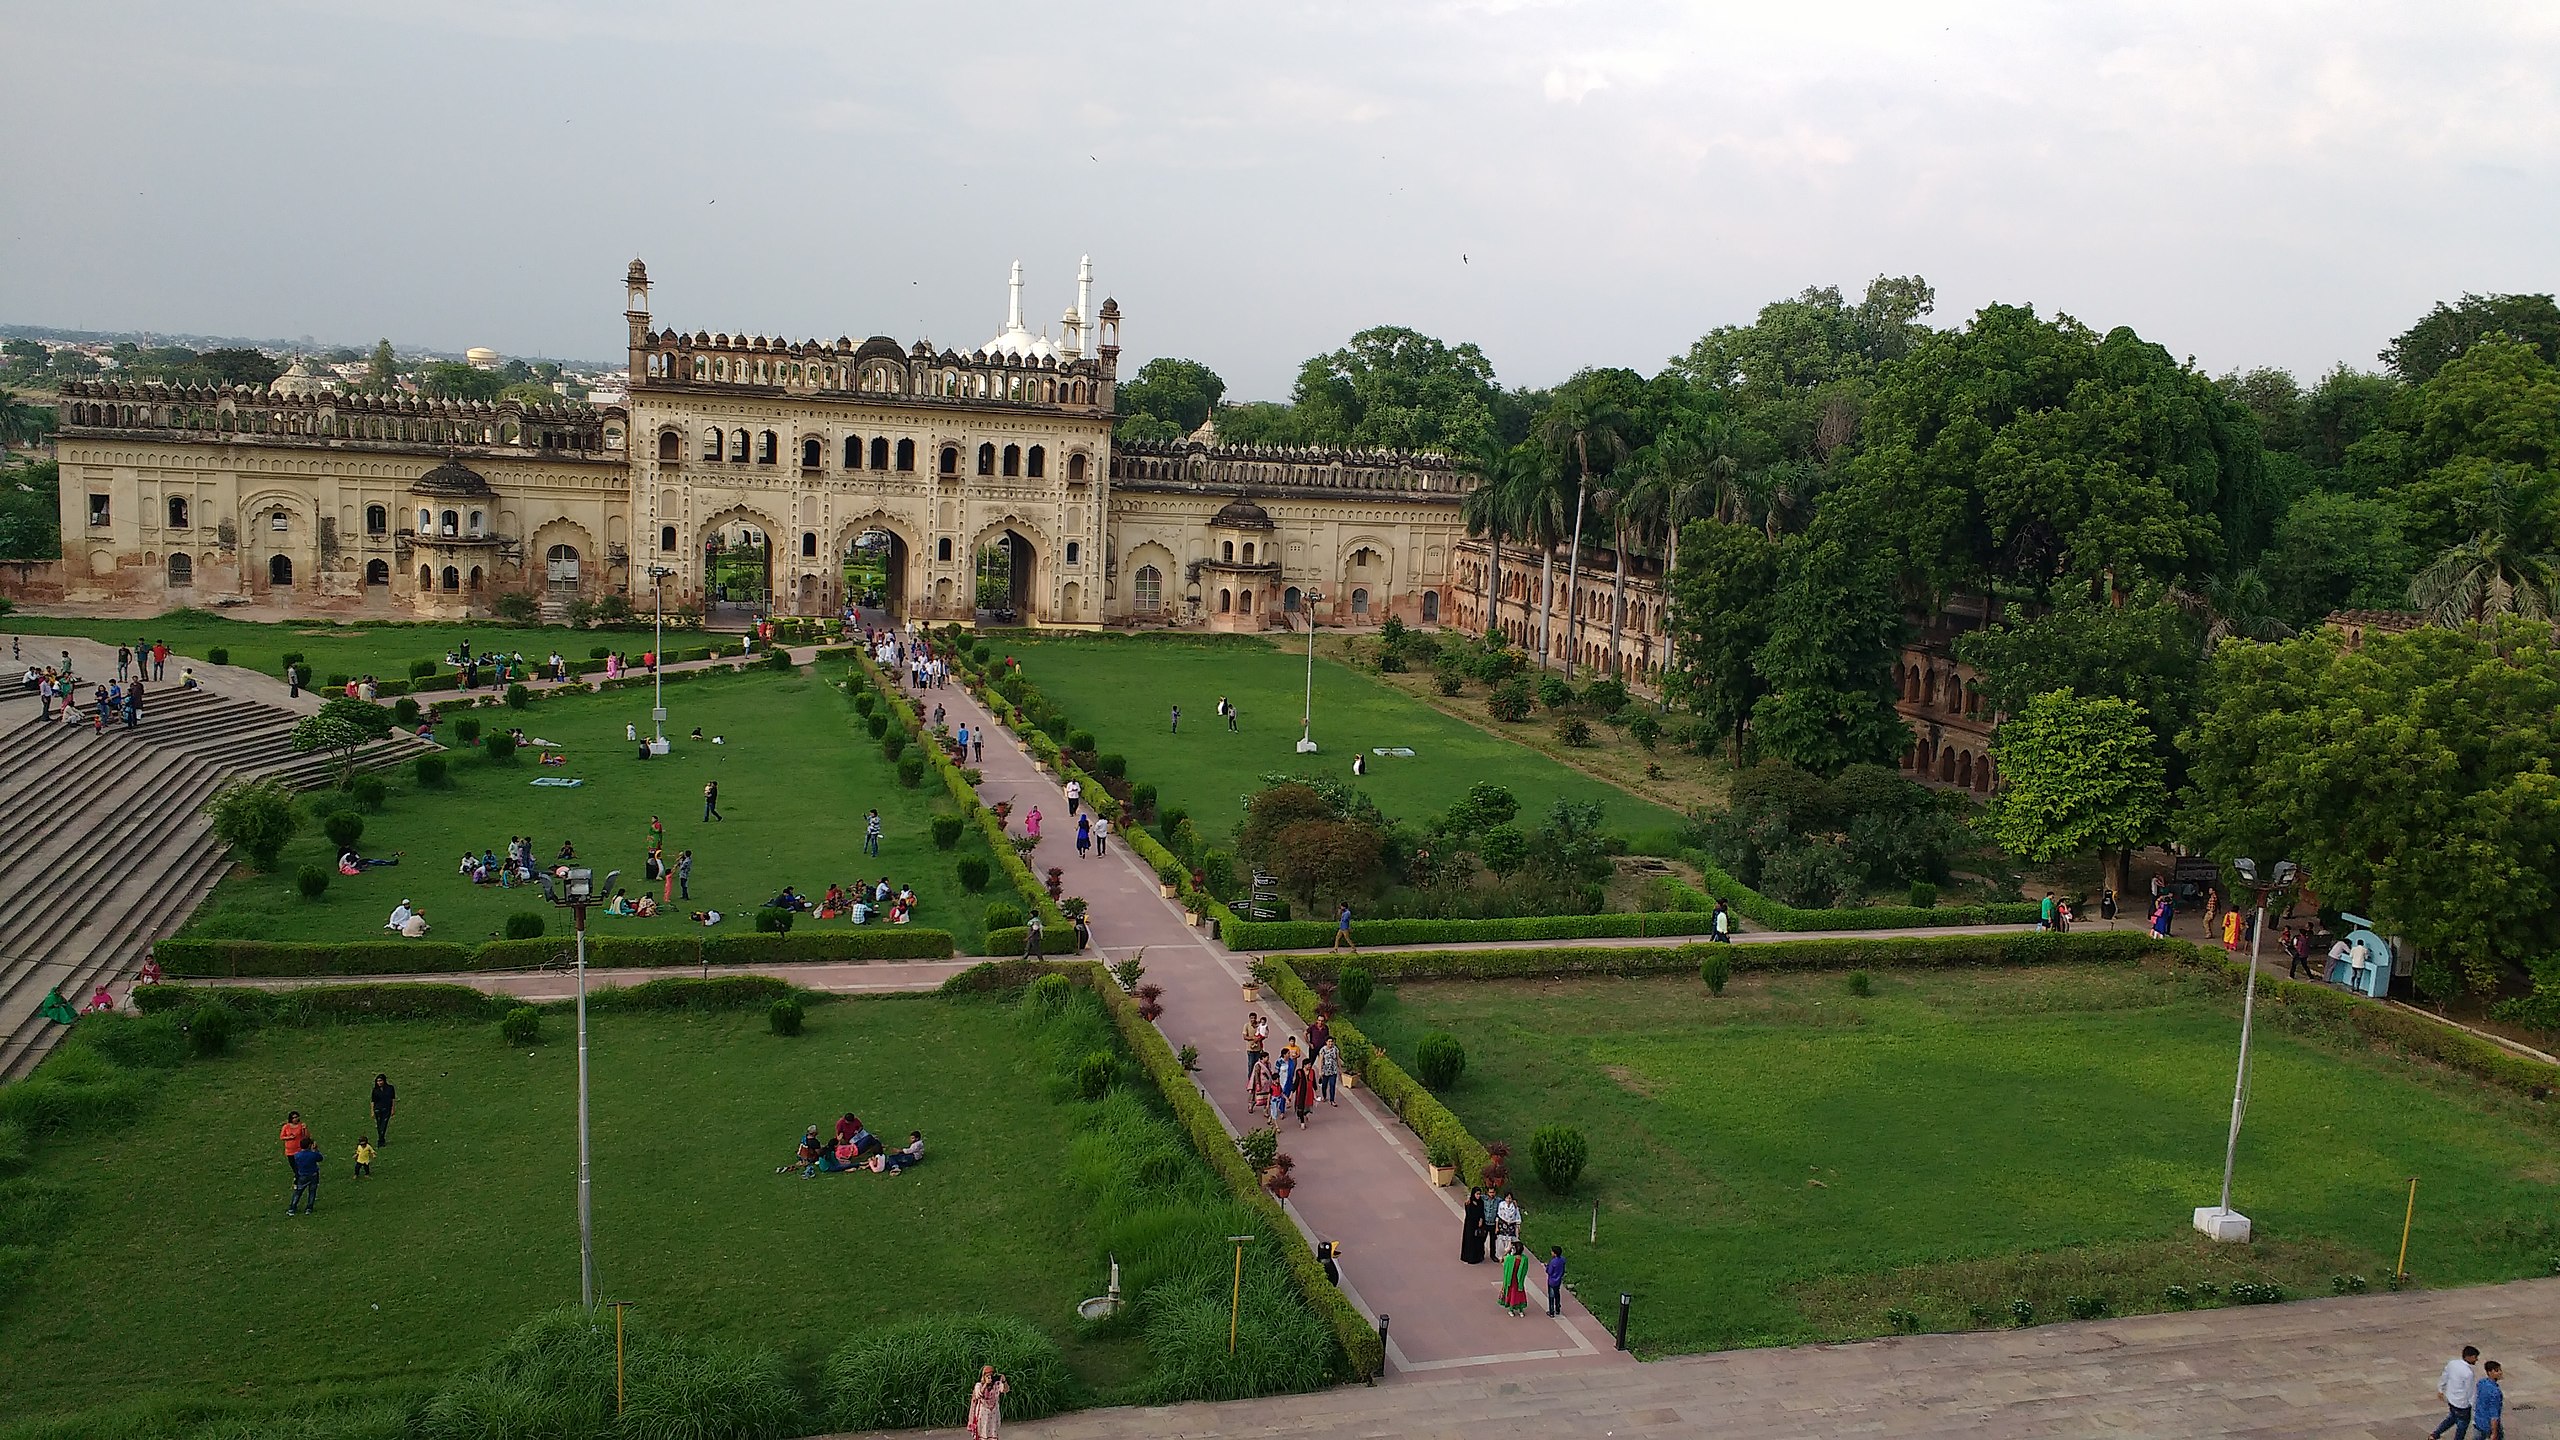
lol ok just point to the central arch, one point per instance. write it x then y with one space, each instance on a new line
875 575
737 566
1023 549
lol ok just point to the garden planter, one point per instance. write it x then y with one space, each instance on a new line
1350 1081
1444 1175
1281 1187
1165 890
1252 992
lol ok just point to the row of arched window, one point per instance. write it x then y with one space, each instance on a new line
946 383
311 424
764 447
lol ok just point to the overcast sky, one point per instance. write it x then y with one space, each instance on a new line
1564 184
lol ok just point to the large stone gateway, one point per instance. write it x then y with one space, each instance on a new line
747 475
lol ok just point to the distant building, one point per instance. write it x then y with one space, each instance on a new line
481 357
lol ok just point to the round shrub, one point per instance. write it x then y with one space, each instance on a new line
1114 766
1094 1074
313 880
1573 730
218 656
774 920
337 680
1055 727
865 702
1605 696
1645 729
1508 701
878 725
1142 796
501 747
894 744
521 1026
209 1030
1924 896
785 1016
1003 915
1861 983
1080 740
369 791
1438 1060
946 831
600 652
1048 995
1559 1152
405 712
467 730
344 828
918 1373
973 874
1716 969
289 659
1354 986
1448 683
518 696
431 771
1553 692
422 669
525 925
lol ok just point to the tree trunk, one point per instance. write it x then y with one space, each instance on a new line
1546 606
1662 605
1618 602
1493 581
1572 575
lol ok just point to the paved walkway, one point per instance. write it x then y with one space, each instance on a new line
2361 1368
1361 1179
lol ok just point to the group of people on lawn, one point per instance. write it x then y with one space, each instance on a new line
860 903
851 1148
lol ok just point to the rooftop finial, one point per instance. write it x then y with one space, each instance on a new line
1013 314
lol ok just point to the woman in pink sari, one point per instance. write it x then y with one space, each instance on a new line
1031 823
986 1404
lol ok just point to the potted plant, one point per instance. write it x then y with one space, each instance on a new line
1355 1053
1497 1169
1148 998
1188 1057
1259 1147
1282 1182
1168 878
1442 1157
1057 883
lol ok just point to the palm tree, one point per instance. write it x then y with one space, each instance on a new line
2237 608
1537 515
1578 423
1488 510
2506 567
20 422
1672 491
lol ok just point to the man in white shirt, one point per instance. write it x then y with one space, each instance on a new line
1075 796
399 916
2457 1388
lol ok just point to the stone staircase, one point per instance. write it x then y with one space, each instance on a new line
106 848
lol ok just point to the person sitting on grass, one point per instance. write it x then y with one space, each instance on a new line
789 899
399 915
644 908
620 904
912 1153
706 917
812 1145
835 1161
833 905
415 927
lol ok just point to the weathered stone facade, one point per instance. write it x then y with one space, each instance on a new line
398 504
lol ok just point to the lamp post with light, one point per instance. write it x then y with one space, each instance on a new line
2220 1221
577 892
1307 716
658 671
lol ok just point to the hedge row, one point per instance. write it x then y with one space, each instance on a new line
1884 952
460 1002
231 958
999 844
1243 934
1754 906
1421 1111
1351 1329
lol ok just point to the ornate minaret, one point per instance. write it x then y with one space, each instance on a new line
1084 308
635 309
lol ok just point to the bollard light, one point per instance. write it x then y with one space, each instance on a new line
1624 1300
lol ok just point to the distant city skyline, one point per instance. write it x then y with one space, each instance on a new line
1562 184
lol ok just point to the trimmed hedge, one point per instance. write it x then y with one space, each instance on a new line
1754 906
1241 934
198 959
1897 952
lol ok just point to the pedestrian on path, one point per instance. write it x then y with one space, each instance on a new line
1303 1094
124 662
1515 1283
1342 929
385 1095
1177 719
160 661
1031 823
1506 1224
684 875
711 801
1555 1280
2459 1389
1075 795
1471 1228
1254 1031
1721 929
986 1404
1329 1070
1101 833
1084 836
871 834
2489 1404
1031 939
978 744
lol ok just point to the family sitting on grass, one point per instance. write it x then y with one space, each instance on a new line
863 905
486 868
853 1148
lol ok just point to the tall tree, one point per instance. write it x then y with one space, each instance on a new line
241 366
2508 565
382 372
2416 779
2337 552
1828 662
2146 652
2079 773
22 423
1178 394
1585 419
1402 390
1492 510
2445 332
1723 594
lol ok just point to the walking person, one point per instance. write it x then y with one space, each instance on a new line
711 801
1254 1030
1515 1283
384 1097
1302 1096
1031 823
1177 719
986 1404
1720 930
295 1136
2489 1404
2459 1389
684 875
1555 1280
1342 929
1101 833
1084 835
1329 1070
306 1181
871 834
1075 795
364 1156
978 745
1231 715
1031 939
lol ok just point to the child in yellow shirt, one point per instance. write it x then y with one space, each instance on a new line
364 1157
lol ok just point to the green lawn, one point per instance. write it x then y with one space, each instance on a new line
1123 690
383 650
796 778
172 1265
1791 1163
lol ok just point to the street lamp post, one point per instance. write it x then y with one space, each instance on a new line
2220 1221
578 891
658 672
1307 716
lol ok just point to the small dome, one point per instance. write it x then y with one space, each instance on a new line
455 479
481 357
879 347
1242 514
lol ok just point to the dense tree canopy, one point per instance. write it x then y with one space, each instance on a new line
2079 775
1400 389
2417 353
1168 399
